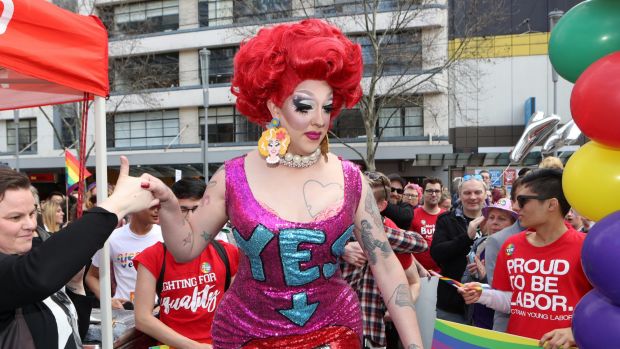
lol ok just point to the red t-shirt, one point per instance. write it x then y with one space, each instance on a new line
546 282
405 259
424 223
191 291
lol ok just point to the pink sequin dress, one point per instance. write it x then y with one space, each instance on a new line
288 281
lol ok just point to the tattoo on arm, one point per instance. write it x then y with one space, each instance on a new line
189 240
402 297
206 198
414 346
370 206
370 243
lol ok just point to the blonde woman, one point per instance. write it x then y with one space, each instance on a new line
53 216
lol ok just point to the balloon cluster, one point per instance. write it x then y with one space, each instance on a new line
585 48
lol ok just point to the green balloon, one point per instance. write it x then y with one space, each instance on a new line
584 34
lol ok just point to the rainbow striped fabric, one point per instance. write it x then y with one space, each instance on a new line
451 335
72 169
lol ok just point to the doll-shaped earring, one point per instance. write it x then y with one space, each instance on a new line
273 142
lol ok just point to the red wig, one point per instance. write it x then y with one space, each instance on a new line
270 66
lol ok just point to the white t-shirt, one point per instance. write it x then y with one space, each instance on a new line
124 246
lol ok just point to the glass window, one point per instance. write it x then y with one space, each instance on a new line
349 124
27 135
340 7
155 128
66 122
227 126
399 53
137 73
254 11
141 17
404 120
221 64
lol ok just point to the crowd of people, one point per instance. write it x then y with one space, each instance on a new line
323 256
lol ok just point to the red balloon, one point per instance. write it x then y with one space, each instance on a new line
595 101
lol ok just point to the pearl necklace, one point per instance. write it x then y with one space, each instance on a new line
298 161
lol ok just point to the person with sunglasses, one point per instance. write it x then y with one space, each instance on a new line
398 210
451 243
538 275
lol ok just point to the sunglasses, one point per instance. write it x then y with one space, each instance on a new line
523 199
468 177
398 190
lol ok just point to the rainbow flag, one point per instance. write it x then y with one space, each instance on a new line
72 169
451 335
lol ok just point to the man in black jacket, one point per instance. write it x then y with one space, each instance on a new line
452 242
397 210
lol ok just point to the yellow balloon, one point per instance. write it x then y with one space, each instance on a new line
591 180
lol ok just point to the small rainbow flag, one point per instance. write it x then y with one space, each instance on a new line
455 283
450 335
446 279
72 169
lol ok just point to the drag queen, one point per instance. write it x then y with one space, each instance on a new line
292 203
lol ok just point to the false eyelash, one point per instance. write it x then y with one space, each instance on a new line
302 108
328 108
299 106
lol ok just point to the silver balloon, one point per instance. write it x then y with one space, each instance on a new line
535 131
565 135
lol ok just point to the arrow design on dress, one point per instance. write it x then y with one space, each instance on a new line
301 311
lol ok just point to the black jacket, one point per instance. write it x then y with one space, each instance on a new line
449 250
31 278
401 214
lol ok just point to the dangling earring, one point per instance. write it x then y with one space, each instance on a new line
325 146
273 142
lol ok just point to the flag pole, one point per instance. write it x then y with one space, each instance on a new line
101 160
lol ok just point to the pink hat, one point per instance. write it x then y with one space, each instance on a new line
501 204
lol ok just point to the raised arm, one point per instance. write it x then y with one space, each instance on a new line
386 269
185 239
44 270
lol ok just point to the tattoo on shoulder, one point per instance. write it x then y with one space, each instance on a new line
370 206
402 297
414 346
370 244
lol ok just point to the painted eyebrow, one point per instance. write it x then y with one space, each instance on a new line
309 93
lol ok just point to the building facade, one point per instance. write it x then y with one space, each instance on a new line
465 97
